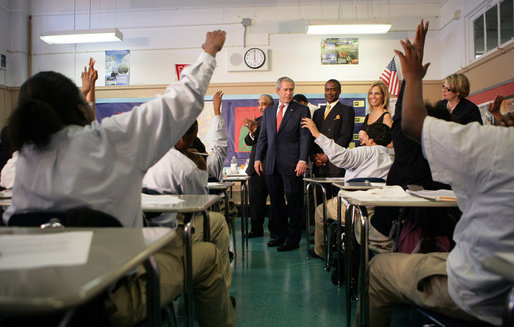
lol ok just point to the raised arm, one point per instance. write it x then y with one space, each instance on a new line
414 111
89 77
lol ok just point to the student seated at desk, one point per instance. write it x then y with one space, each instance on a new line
66 161
455 283
411 168
216 139
181 171
371 160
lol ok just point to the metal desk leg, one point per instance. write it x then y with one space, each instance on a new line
338 240
308 220
232 224
350 216
188 272
153 296
244 220
206 226
364 268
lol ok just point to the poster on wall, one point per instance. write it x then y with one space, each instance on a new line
340 51
117 67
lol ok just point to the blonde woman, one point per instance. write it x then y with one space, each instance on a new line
378 99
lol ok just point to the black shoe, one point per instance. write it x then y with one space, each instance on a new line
313 254
253 234
288 247
275 243
233 300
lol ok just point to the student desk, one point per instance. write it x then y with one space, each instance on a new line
190 205
242 179
113 253
318 182
355 202
223 187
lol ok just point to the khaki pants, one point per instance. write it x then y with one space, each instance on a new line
126 305
415 279
378 243
220 237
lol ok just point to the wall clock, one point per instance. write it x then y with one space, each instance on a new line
254 58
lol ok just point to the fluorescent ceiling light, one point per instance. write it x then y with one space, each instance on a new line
348 28
83 36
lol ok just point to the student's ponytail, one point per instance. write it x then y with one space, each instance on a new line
32 122
47 103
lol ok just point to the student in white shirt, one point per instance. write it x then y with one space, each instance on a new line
456 283
181 171
66 161
371 160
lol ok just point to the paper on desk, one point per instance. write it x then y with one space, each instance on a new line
387 193
161 199
37 250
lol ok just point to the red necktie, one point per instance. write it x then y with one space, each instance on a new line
279 116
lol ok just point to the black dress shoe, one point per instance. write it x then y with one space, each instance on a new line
313 254
253 234
287 247
275 243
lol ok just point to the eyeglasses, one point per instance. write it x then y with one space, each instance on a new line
447 89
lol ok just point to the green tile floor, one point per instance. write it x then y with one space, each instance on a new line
286 289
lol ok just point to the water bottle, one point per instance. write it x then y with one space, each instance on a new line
233 165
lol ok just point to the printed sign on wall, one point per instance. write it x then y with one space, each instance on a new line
117 67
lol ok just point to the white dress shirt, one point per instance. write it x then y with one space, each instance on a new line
477 161
216 146
101 165
177 174
363 161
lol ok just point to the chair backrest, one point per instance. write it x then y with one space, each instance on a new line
76 217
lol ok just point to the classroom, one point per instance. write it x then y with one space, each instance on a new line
271 163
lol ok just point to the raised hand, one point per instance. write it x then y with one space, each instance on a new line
411 61
216 101
309 123
421 33
251 124
214 42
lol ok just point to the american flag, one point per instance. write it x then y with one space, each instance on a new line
390 77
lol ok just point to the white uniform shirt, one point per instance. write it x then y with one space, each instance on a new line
363 161
216 146
9 171
478 162
177 174
102 165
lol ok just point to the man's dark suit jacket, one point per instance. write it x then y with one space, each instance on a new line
250 170
287 146
339 127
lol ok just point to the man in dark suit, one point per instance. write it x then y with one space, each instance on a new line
257 183
285 144
336 121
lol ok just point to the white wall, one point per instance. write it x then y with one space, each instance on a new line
160 36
